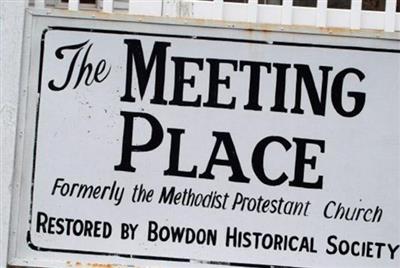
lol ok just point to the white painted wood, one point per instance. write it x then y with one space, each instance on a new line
128 26
186 8
39 4
73 5
372 20
148 8
12 13
131 7
269 14
205 10
390 18
322 7
236 12
108 6
287 6
284 14
304 16
252 11
170 8
120 5
338 18
355 21
219 8
11 32
50 3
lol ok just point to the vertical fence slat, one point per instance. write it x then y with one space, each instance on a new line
39 4
146 7
131 7
108 6
219 9
322 8
390 15
355 15
252 11
170 8
73 5
287 6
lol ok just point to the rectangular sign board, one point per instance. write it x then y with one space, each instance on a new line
174 148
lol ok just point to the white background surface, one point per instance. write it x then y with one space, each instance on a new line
9 107
90 147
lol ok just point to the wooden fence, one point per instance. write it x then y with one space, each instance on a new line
282 12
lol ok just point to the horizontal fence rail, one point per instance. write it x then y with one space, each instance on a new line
281 12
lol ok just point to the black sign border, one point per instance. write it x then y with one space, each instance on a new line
209 38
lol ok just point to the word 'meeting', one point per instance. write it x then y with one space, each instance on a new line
141 68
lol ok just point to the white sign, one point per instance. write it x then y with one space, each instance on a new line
239 152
